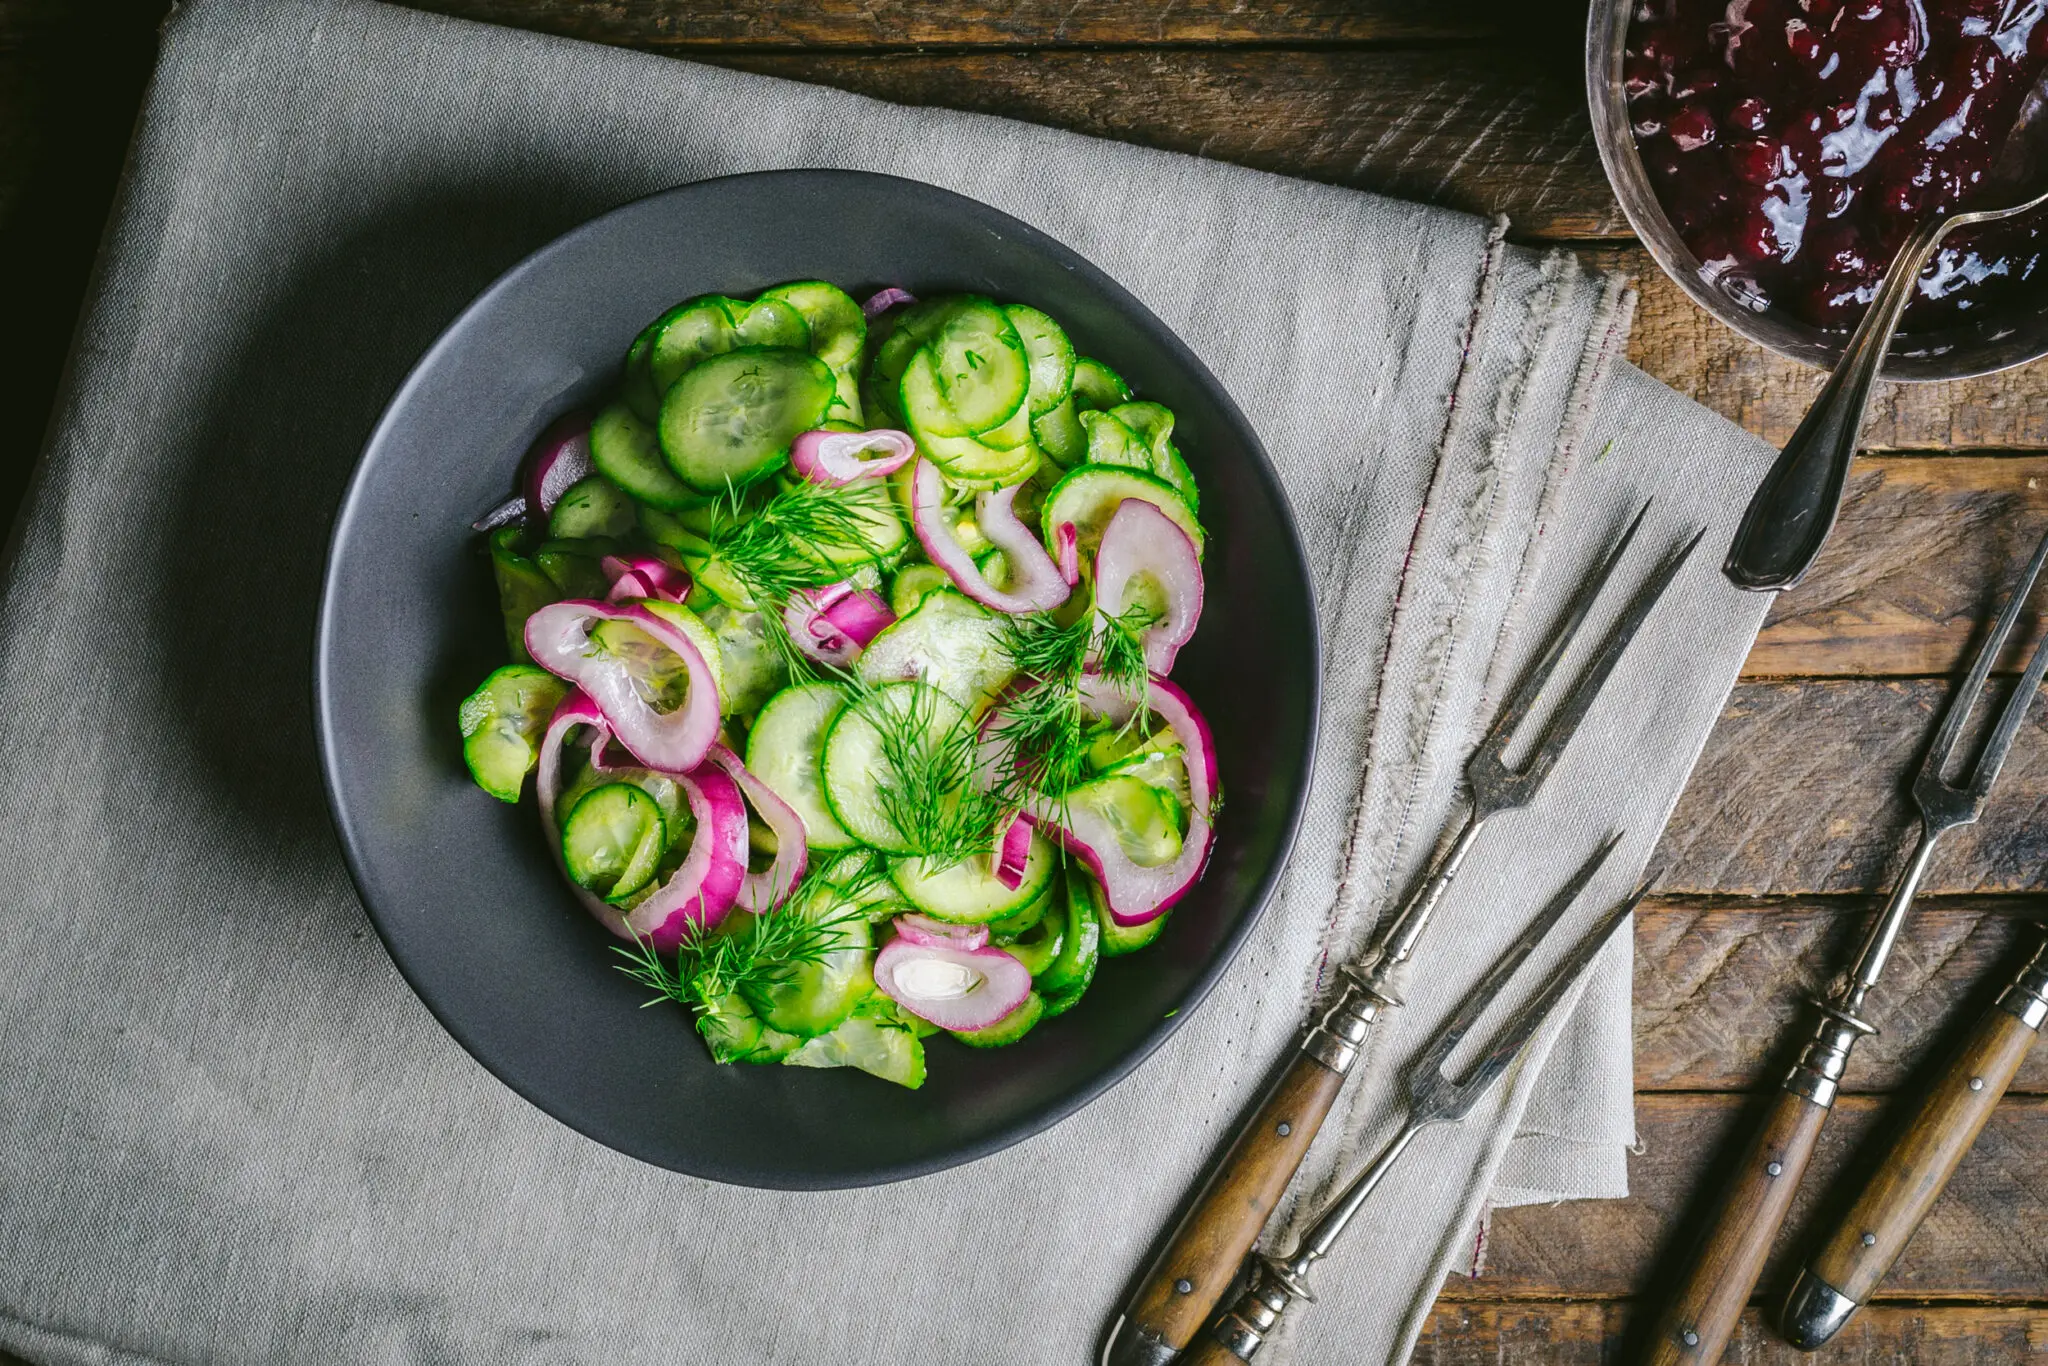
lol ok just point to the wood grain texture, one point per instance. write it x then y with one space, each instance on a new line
1678 343
1915 572
1704 1288
1186 1283
1933 1137
1802 788
1985 1240
1721 986
1460 1333
693 24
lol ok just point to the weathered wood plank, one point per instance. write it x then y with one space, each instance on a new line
1721 989
1986 1239
1468 1333
1679 343
1915 571
687 24
1802 789
1487 130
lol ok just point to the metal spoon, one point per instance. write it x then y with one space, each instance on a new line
1794 508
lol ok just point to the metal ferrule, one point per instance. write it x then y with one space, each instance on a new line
1252 1318
2027 997
1336 1040
1818 1073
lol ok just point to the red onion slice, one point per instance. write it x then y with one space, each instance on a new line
703 889
885 300
1140 539
643 576
1137 894
1067 537
1039 585
837 458
922 929
558 638
513 509
952 987
835 623
1012 850
764 891
558 458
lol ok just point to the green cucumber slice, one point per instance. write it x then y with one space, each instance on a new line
969 463
1088 497
751 663
913 583
1110 442
1038 948
522 588
1073 968
502 725
837 327
1021 922
1146 820
766 322
1151 424
925 407
913 328
1059 433
626 451
1051 357
572 566
982 367
730 420
879 1049
734 1033
694 330
816 996
785 750
1007 1030
948 642
968 892
593 506
872 531
612 839
636 385
1098 386
1118 940
870 745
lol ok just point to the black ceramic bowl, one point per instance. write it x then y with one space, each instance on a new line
461 886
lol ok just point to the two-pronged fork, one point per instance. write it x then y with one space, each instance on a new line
1203 1256
1696 1324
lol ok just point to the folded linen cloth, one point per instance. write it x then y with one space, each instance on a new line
230 1134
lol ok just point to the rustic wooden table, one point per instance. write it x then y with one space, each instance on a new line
1796 813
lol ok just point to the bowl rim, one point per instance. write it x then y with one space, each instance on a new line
1952 354
1230 943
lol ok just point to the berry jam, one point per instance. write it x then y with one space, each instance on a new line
1795 143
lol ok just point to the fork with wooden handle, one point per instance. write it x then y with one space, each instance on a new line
1697 1322
1924 1155
1202 1257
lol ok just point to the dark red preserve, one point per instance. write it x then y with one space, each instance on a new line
1794 143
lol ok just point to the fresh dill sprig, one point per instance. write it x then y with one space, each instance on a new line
1042 731
926 783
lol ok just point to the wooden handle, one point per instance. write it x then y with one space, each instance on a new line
1207 1351
1907 1182
1696 1325
1209 1246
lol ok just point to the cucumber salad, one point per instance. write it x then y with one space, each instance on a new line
843 637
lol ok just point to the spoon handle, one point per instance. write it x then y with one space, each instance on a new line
1794 508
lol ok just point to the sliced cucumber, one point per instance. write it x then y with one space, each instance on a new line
626 451
751 663
1011 926
914 327
970 463
766 322
730 420
968 892
1118 940
593 506
1051 356
912 583
1110 442
1088 497
785 750
1073 968
694 330
691 625
734 1033
924 405
1059 433
871 742
502 725
1098 386
573 567
872 532
612 840
1146 820
838 329
1152 426
522 588
876 1048
636 386
1038 948
948 642
816 996
1007 1030
982 366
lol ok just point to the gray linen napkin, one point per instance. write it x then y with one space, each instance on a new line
230 1134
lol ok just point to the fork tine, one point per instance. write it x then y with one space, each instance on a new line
1964 701
1531 687
1429 1065
1568 716
1515 1037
